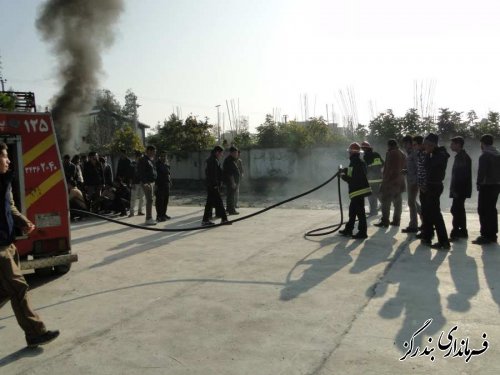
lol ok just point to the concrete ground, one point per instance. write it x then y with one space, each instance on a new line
259 298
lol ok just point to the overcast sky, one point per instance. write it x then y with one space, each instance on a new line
196 54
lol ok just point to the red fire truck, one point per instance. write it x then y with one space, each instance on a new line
39 186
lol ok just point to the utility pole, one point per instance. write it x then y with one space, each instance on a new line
218 121
2 80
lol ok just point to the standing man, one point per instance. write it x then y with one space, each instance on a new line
359 188
69 170
13 286
213 173
488 185
418 146
460 188
107 171
393 185
146 170
93 177
232 179
412 184
239 164
123 169
435 170
162 186
136 192
374 165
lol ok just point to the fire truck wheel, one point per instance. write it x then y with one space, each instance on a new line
62 269
43 272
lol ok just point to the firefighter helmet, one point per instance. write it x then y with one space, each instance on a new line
365 144
354 147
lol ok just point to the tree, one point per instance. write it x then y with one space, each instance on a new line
361 132
102 126
178 138
489 125
410 122
7 102
270 134
450 123
244 139
126 139
385 126
129 109
107 102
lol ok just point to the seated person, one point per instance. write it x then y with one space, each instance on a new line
76 200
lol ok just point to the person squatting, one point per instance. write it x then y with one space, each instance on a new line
423 166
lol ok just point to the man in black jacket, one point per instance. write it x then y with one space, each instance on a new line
93 177
162 187
435 170
460 188
69 170
146 171
213 174
231 174
359 188
124 169
488 185
13 286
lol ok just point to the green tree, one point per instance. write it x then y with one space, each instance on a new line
126 139
7 102
385 126
129 109
361 132
450 123
179 138
105 123
244 139
489 125
270 134
411 123
296 136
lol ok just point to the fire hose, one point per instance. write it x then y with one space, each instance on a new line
315 232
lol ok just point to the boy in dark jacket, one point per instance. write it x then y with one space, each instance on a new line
359 188
460 188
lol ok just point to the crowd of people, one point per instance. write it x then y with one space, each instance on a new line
92 185
420 170
144 181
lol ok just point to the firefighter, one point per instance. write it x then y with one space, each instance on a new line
13 286
359 188
374 165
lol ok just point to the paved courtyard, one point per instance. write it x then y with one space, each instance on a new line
259 298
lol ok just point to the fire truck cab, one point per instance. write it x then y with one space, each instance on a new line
39 187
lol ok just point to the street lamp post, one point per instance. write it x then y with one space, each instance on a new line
218 121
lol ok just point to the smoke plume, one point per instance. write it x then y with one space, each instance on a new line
79 31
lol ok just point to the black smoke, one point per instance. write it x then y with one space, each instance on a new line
79 31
